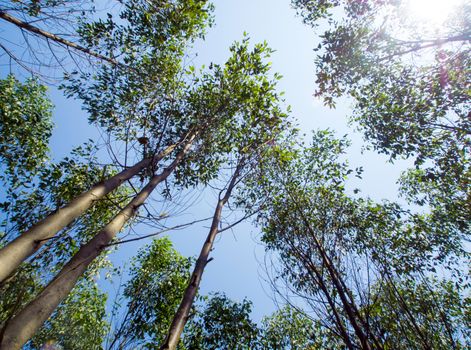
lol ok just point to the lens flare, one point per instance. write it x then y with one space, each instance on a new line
432 11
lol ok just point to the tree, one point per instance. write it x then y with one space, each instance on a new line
259 124
34 186
422 313
155 60
220 323
330 248
24 324
158 277
51 185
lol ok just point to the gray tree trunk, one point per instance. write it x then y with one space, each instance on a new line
181 316
23 326
15 252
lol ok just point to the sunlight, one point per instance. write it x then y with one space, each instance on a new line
434 12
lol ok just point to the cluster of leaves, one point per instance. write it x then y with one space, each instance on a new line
158 276
80 321
435 312
221 324
239 107
25 129
142 96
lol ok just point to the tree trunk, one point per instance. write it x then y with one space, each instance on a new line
49 36
15 252
181 316
24 325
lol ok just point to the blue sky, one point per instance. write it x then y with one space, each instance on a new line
237 255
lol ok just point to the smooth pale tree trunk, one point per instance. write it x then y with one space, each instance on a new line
22 247
24 325
181 316
49 36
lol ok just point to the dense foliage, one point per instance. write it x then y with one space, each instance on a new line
354 273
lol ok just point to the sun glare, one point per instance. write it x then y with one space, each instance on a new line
434 12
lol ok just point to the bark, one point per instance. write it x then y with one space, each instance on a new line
181 316
49 36
15 252
24 325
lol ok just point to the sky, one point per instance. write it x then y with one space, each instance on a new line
237 268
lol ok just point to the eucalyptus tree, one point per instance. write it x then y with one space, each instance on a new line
258 124
150 37
331 249
221 107
305 194
32 186
54 184
409 79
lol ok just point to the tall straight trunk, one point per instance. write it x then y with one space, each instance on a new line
15 252
24 325
181 316
49 36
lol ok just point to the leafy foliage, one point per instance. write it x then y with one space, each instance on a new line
221 324
25 129
434 312
410 86
329 247
158 277
290 329
78 323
